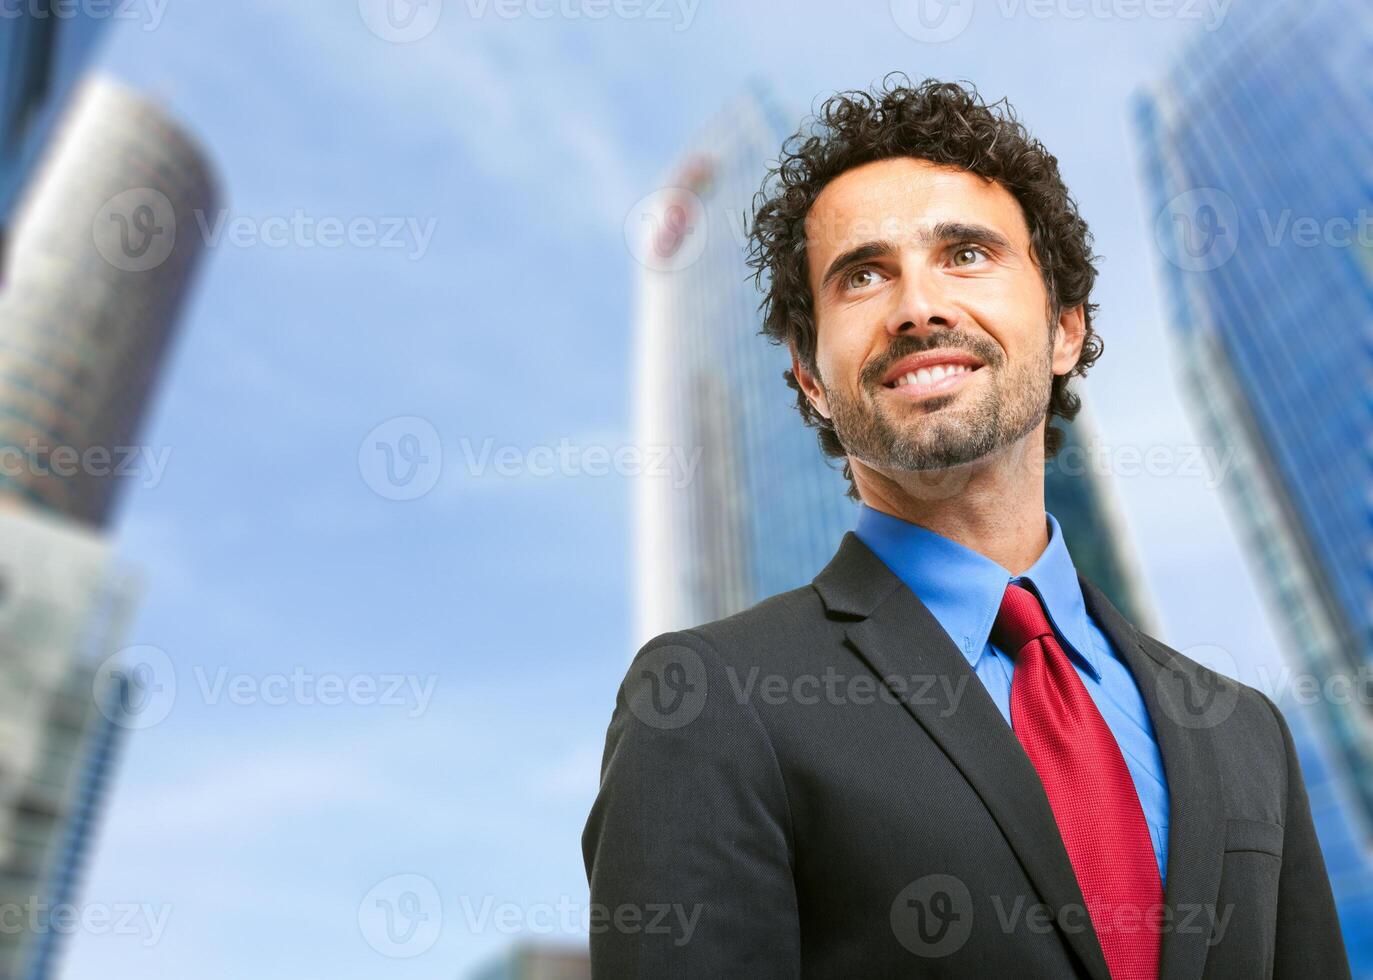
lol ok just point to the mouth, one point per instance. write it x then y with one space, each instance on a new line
931 373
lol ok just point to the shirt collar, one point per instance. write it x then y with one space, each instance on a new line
962 588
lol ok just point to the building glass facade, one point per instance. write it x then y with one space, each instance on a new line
94 291
764 511
108 243
62 611
42 54
1257 156
538 962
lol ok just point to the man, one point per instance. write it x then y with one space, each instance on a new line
950 755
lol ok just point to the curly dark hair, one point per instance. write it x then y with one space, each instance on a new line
945 123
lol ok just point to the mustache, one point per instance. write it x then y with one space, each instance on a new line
904 346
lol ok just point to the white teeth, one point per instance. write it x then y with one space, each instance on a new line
926 376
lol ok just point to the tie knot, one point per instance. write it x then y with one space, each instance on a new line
1020 620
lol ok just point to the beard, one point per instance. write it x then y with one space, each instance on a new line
986 414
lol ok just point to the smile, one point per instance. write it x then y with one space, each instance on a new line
935 380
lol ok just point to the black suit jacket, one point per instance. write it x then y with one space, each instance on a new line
821 787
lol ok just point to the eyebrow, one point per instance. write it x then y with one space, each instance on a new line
944 233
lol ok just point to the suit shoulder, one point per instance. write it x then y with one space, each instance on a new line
771 630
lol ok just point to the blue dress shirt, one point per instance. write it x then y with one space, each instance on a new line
963 588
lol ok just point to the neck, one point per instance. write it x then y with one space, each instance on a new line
993 505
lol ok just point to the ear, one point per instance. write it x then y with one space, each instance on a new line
1068 337
810 385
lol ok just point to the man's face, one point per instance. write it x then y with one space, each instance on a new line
914 265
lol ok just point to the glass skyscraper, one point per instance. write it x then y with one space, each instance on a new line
1257 154
538 962
42 52
764 511
106 248
109 244
63 610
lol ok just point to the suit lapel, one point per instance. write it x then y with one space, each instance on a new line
1183 720
898 637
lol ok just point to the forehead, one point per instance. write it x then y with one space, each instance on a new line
898 198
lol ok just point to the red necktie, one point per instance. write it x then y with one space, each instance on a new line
1089 788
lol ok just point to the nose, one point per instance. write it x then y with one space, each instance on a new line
921 304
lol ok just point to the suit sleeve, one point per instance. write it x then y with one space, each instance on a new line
688 848
1309 942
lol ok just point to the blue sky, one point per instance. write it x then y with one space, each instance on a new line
522 142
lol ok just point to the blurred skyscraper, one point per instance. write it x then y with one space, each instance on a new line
1093 522
97 279
63 610
107 242
536 962
42 52
1257 153
764 511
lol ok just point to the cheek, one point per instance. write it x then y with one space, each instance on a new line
840 367
1014 315
834 355
1004 299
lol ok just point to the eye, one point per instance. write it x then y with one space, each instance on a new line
853 280
966 255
